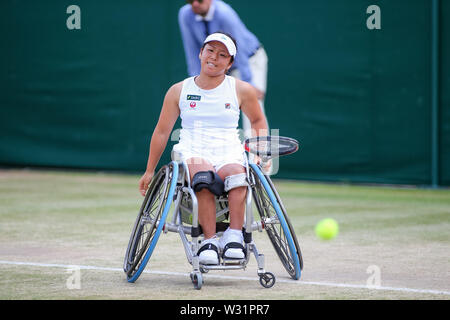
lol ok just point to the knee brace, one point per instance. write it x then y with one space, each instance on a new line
236 180
209 180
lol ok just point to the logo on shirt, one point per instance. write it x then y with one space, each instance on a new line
227 105
192 104
193 97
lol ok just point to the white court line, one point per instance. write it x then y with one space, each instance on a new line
314 283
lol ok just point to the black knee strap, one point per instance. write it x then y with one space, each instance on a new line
209 180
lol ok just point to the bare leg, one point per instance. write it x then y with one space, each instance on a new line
206 200
236 196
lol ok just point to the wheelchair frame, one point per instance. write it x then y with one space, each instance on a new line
176 188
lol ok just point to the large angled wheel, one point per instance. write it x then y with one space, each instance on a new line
150 221
278 227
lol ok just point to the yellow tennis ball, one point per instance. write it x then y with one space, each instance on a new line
327 229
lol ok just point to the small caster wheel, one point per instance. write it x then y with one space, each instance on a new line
267 279
197 280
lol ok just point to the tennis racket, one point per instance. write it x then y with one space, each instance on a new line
268 147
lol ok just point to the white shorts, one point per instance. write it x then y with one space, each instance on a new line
218 157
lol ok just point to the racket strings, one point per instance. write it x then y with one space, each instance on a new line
271 146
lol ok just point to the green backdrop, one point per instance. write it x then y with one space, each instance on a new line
358 100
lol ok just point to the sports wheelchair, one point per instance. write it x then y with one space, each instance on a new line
172 184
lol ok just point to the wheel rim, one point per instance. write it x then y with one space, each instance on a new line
148 219
291 229
275 231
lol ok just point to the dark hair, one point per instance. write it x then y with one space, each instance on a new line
229 36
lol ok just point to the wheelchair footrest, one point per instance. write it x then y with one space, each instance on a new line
224 266
233 261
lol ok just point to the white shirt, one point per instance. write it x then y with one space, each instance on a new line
209 118
209 16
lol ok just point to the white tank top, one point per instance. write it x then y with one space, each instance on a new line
209 118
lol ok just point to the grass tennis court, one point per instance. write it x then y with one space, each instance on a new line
51 221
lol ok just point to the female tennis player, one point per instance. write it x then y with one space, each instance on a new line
209 106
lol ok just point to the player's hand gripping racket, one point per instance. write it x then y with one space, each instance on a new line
268 147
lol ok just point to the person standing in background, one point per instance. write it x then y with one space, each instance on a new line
199 18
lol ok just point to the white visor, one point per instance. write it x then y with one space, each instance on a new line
225 40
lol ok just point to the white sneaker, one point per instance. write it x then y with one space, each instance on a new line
209 251
231 243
